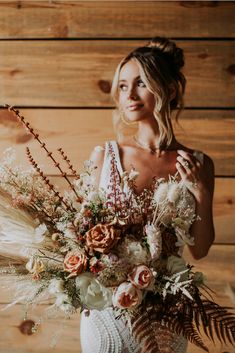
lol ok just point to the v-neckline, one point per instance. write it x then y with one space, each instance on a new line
122 170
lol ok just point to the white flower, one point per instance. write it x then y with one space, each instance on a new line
61 226
56 286
94 197
93 295
9 155
40 233
154 240
160 194
181 223
183 237
70 231
133 251
133 174
174 192
64 302
177 264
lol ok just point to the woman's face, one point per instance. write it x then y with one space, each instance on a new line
135 99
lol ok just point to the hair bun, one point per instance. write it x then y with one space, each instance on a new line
169 47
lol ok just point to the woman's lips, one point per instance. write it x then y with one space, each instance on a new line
135 107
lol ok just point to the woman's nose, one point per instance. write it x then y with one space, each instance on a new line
132 94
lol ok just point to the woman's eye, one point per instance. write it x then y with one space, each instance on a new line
122 87
141 83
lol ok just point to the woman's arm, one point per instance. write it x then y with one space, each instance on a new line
203 175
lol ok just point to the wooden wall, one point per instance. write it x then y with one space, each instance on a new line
57 60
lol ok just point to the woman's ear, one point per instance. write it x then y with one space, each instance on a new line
172 91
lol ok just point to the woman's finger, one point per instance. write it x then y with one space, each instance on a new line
189 157
188 166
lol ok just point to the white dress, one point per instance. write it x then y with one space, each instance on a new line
100 332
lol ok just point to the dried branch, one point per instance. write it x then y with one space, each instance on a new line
46 180
65 158
43 145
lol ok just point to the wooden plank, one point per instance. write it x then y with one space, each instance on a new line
13 341
218 265
79 73
77 131
110 19
224 210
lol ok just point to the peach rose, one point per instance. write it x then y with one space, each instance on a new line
75 262
141 277
102 238
127 296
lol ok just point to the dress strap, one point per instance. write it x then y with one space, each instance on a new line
106 168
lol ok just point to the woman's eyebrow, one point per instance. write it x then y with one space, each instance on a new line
123 80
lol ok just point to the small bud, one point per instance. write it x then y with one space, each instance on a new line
55 236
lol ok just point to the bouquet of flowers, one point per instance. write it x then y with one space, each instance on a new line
91 248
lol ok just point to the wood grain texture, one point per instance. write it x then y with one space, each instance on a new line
80 73
115 19
13 341
77 131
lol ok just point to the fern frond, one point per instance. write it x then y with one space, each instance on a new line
143 331
221 322
186 328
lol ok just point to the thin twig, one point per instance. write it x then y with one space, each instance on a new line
43 145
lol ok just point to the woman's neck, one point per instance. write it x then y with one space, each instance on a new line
148 135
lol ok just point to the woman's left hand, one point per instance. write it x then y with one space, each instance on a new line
192 173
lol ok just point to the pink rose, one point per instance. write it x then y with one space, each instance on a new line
127 296
75 262
141 277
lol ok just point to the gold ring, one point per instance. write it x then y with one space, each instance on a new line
187 165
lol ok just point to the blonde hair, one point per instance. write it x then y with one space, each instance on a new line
160 62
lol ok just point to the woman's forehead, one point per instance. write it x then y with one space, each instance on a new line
129 70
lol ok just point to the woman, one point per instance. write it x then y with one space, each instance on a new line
147 88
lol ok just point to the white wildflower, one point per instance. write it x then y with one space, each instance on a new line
174 192
133 174
94 197
183 238
181 223
175 284
64 302
56 286
40 232
160 194
133 251
154 240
